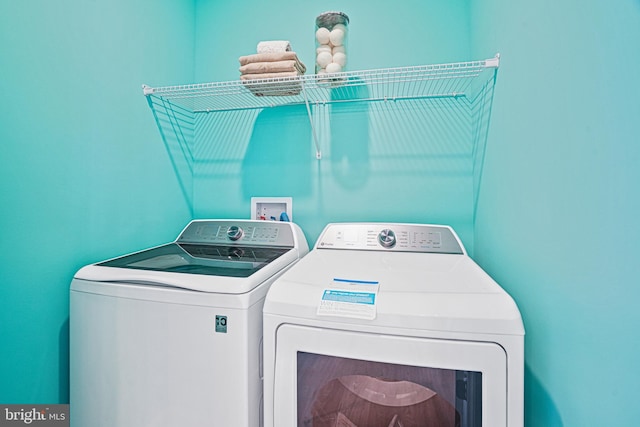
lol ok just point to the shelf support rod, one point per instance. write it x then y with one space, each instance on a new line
313 128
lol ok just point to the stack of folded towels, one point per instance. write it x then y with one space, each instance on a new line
276 61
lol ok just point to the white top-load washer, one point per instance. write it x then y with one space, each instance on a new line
389 325
171 336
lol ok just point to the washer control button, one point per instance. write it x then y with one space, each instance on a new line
234 232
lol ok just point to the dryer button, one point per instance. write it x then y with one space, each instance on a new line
387 238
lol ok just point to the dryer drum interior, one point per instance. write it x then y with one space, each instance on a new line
337 391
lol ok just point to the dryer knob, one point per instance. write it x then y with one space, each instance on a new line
387 238
234 232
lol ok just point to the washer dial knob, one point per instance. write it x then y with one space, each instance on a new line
387 238
235 233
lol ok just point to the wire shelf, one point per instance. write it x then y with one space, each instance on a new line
462 79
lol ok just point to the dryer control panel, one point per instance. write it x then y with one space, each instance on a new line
391 237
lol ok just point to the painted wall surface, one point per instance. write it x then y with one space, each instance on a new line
83 174
410 32
559 206
381 162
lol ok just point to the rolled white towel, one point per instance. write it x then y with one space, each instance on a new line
273 46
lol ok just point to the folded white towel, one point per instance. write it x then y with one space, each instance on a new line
268 57
273 67
262 76
272 46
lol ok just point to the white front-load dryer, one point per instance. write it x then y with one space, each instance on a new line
171 336
390 325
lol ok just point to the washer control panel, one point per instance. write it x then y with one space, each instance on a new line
391 237
241 232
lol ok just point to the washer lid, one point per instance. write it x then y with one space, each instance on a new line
216 256
190 258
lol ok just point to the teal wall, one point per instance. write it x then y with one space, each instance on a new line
404 33
83 174
374 156
557 224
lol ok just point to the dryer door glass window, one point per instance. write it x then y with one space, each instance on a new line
213 260
338 391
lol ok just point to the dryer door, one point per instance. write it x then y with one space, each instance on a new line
326 377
